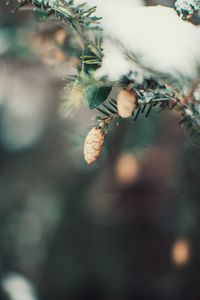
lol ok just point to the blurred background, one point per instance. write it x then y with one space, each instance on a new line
127 227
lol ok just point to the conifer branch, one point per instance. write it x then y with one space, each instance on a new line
146 89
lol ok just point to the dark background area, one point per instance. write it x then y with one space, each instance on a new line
126 227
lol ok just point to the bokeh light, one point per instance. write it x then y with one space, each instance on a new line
127 169
181 252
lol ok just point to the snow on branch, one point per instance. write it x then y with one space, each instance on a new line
151 54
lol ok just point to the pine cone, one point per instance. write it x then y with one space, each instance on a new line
93 144
126 103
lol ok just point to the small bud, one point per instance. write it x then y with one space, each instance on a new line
93 144
126 103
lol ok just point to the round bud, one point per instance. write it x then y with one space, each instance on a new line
126 103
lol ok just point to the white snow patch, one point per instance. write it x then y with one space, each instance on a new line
156 35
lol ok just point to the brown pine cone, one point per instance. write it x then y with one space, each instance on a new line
126 103
93 144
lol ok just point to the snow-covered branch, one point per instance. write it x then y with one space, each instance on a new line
150 53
